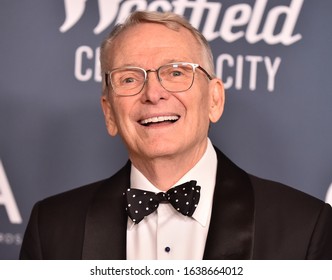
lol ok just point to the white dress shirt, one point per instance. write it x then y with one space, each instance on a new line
167 234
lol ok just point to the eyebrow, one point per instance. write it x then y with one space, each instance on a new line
163 63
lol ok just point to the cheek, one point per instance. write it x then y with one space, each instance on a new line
202 104
124 118
196 104
197 114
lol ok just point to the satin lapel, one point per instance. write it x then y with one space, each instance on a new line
232 222
106 221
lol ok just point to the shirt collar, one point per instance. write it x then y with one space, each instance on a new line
204 172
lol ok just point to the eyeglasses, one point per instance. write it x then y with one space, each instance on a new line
174 77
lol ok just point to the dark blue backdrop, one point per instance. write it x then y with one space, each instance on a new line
274 57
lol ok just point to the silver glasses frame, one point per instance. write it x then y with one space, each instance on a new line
108 74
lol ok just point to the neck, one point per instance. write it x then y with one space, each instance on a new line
164 172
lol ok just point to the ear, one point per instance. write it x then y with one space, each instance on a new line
111 125
217 99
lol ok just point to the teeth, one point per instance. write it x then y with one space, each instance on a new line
159 119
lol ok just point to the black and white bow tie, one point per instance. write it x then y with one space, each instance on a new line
184 198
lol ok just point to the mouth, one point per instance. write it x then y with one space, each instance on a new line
159 120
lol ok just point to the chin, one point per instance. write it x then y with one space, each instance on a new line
161 149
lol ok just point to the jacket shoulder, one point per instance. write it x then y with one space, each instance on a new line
275 193
74 197
78 197
56 226
289 222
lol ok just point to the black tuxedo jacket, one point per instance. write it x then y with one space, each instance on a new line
251 218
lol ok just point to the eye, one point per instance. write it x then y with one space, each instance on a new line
176 73
173 72
128 80
125 78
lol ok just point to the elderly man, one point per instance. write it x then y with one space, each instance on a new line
178 197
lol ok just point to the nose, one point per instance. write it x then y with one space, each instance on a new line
153 91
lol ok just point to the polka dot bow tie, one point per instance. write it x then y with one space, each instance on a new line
184 198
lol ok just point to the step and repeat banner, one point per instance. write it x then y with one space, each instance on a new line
273 56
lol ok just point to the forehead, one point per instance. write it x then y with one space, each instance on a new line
151 43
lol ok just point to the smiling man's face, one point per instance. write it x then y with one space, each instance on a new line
156 123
